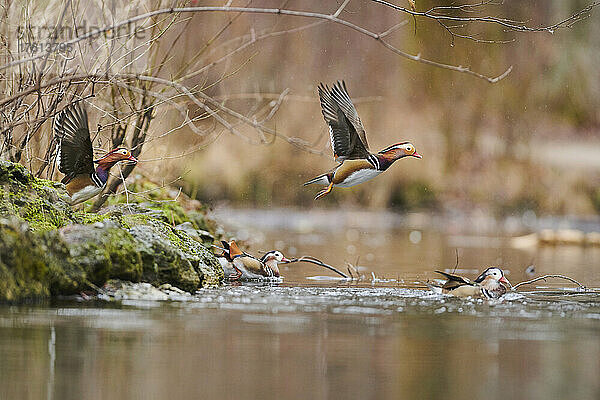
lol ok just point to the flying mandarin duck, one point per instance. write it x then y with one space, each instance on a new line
349 143
76 158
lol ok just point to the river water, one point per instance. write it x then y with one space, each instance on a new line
316 337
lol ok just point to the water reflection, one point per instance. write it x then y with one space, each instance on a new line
302 343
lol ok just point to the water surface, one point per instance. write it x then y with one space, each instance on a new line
319 338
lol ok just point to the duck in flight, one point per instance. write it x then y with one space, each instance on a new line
76 158
349 143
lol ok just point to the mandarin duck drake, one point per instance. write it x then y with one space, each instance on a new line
248 267
349 143
490 284
76 157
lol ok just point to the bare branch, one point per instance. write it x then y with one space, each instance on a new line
506 23
275 11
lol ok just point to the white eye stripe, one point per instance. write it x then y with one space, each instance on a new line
495 272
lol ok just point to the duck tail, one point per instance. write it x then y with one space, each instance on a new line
455 278
324 179
433 287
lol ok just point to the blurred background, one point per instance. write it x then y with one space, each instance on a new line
528 142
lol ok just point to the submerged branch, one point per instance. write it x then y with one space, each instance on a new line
540 278
313 260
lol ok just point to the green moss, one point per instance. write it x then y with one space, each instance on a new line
82 217
192 265
14 173
127 221
36 201
171 211
42 216
23 264
39 183
162 258
68 275
105 252
126 262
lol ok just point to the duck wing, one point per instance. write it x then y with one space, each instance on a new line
75 147
454 281
348 138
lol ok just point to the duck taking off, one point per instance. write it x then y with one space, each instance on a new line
349 143
76 157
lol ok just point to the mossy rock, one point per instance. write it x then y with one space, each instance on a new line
35 265
105 250
23 265
47 249
41 203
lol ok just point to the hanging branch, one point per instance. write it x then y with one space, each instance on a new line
514 288
333 18
433 13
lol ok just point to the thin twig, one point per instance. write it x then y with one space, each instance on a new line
352 267
350 272
506 23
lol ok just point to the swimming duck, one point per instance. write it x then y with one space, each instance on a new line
248 267
349 143
490 284
76 157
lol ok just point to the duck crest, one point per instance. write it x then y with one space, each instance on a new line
395 146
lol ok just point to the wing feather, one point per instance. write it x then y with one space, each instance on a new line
336 106
341 97
454 281
75 147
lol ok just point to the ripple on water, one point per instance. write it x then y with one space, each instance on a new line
390 301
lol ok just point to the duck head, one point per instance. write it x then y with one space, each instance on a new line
272 258
400 150
492 275
114 156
